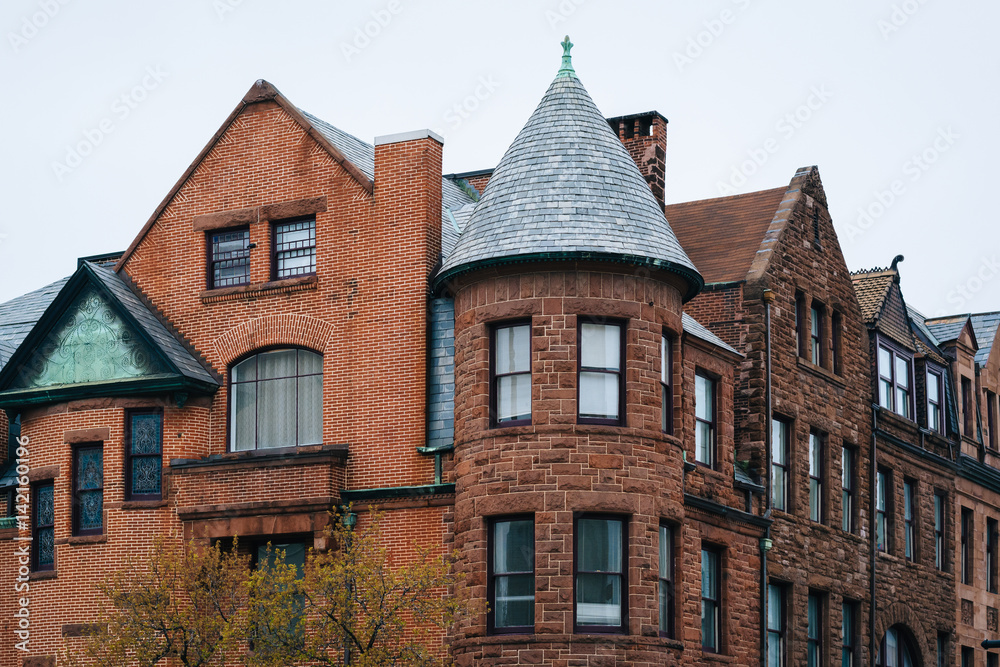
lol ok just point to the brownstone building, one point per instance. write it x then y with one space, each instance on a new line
649 447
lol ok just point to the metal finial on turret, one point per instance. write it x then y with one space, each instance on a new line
567 60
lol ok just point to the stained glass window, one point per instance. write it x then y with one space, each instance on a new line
88 490
144 464
44 527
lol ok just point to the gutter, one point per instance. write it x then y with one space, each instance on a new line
765 543
872 499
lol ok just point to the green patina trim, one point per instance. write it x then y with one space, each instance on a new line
694 279
159 384
567 60
393 492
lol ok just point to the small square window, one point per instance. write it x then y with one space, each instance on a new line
294 248
229 258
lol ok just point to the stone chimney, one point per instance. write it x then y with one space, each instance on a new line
645 137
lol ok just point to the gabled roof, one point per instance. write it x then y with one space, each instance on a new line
567 189
985 326
950 327
926 342
18 316
872 288
695 328
722 235
97 338
882 305
354 155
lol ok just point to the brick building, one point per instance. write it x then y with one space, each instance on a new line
647 446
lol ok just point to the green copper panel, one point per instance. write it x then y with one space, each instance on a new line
89 343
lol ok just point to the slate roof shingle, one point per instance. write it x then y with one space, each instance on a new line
696 329
947 328
19 315
740 221
985 325
567 188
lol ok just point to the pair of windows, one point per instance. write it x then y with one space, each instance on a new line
293 253
143 463
600 583
600 599
894 381
600 382
777 628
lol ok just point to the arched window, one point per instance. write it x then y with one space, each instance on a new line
896 649
276 400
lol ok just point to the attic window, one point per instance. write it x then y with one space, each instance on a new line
294 246
229 258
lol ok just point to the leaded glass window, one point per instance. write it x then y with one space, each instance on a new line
88 490
276 400
229 258
44 520
512 575
144 455
295 248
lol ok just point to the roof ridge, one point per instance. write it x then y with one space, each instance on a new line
783 188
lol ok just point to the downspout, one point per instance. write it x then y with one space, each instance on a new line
872 499
765 543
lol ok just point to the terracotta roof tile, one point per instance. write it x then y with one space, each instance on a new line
722 236
872 289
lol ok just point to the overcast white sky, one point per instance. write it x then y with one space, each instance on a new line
107 103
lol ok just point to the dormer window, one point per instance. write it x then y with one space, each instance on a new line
294 245
935 399
894 384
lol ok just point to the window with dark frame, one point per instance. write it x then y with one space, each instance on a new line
776 625
88 489
894 381
780 435
600 556
511 575
814 630
599 387
896 649
991 555
800 323
667 382
276 400
991 420
847 477
816 334
228 258
293 248
883 497
968 656
910 519
942 649
43 520
934 401
666 581
940 502
816 508
143 454
968 536
704 416
848 634
511 366
711 599
837 341
992 660
968 409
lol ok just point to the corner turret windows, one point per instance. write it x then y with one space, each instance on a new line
600 377
276 400
512 575
601 586
511 365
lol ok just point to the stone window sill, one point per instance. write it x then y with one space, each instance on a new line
42 575
819 371
143 504
87 539
716 657
296 284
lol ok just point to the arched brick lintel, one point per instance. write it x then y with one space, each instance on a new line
271 330
898 613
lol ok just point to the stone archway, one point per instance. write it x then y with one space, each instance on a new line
900 614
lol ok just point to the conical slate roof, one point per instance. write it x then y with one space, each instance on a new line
567 189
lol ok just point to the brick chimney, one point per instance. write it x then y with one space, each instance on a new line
408 197
645 137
